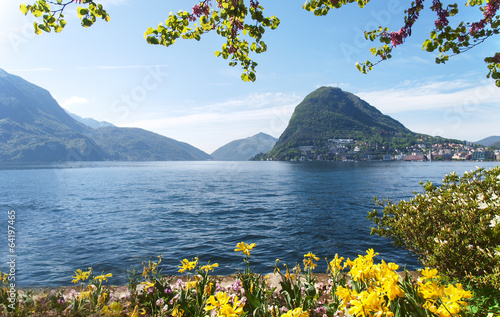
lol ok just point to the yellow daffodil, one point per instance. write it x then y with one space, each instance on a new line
80 276
114 309
152 267
245 248
147 285
209 267
100 278
428 273
311 255
297 312
335 264
190 284
208 288
102 298
187 265
137 311
216 302
308 261
177 312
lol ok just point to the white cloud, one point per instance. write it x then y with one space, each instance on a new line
412 96
67 103
215 125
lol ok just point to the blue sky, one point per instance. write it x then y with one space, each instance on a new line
109 72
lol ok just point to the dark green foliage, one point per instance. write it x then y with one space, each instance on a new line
454 227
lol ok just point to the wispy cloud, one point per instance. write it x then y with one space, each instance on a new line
270 111
412 96
67 103
129 66
37 69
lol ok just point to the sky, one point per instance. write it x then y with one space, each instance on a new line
109 73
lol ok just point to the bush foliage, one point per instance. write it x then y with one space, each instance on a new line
454 227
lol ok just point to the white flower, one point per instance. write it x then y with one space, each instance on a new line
482 205
495 221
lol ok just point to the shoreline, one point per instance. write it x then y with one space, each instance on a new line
121 291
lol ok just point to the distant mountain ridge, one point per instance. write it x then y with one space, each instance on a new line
244 149
89 122
33 127
489 141
329 113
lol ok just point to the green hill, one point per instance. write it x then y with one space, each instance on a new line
331 113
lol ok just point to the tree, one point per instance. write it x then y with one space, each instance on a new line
242 24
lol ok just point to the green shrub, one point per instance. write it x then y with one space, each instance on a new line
454 227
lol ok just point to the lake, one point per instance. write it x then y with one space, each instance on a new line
114 215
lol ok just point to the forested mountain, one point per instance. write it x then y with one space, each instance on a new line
244 149
329 113
33 127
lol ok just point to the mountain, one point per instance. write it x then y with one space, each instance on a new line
329 113
34 128
244 149
489 141
134 144
89 122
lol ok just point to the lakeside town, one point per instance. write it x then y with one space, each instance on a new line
352 150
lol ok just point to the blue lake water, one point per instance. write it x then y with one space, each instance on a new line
114 215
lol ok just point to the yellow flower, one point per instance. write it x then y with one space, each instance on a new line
429 274
335 264
297 312
208 288
187 265
308 261
311 255
177 312
84 295
135 312
102 298
191 284
209 267
245 248
81 276
151 267
216 302
232 311
100 278
346 295
147 285
114 309
431 290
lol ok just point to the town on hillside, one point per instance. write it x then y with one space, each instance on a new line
352 150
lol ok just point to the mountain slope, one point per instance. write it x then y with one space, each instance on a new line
489 141
89 122
329 113
34 128
244 149
134 144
